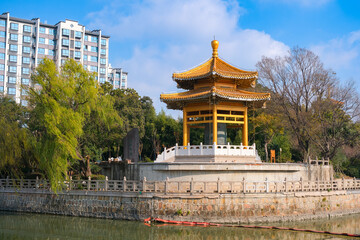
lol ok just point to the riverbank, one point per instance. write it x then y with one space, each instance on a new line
217 208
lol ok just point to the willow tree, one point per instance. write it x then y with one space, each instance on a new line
60 100
15 140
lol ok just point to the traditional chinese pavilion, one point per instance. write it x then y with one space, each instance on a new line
218 98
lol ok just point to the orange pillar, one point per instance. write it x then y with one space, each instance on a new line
185 128
245 129
214 123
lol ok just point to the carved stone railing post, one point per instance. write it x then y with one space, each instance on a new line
89 184
354 183
37 182
301 184
106 183
343 183
218 186
188 149
164 152
124 184
285 182
267 184
144 184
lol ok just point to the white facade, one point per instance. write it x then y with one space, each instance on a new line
24 43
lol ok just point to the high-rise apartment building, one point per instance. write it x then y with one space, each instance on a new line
24 43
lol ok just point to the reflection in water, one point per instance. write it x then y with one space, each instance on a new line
35 226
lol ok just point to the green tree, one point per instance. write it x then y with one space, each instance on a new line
60 102
16 156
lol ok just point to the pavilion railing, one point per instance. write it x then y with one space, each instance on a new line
185 187
207 150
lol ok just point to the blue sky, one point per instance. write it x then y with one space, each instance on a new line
151 39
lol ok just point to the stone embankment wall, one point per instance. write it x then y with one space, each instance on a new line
230 208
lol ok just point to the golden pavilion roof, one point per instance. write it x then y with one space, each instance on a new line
215 68
177 100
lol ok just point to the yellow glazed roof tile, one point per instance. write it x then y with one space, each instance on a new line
225 93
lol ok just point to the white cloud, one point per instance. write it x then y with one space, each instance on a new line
168 36
340 53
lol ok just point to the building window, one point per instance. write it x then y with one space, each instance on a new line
65 42
94 39
14 26
77 54
102 70
123 84
13 37
27 39
24 92
51 52
13 58
2 67
51 42
85 67
86 38
41 30
94 59
26 49
102 60
65 52
13 48
65 32
2 56
117 75
2 23
39 60
2 34
26 70
42 40
103 51
94 49
25 81
11 91
27 28
78 34
93 69
12 69
41 50
26 60
1 89
24 103
77 44
12 80
1 78
2 45
103 42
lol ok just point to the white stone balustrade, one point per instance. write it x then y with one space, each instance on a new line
206 150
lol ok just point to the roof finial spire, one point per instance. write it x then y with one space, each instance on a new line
215 45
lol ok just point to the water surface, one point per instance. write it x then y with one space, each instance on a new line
39 226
